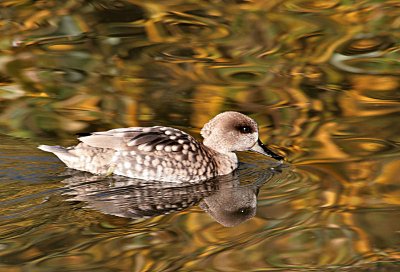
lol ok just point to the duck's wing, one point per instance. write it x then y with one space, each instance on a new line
144 139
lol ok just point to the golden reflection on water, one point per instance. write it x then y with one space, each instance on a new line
320 77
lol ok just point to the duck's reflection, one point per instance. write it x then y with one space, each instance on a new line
228 200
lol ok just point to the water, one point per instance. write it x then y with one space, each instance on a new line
320 77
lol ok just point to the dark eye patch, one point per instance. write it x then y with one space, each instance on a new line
245 129
243 211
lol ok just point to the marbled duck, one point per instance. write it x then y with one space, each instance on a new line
165 153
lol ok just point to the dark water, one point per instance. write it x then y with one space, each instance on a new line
322 78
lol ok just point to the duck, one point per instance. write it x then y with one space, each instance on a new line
165 153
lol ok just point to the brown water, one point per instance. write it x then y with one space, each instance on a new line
322 78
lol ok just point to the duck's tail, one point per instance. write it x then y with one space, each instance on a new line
83 157
53 149
62 153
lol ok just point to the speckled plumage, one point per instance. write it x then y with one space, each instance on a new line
164 153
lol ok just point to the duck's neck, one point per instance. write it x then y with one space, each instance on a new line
226 161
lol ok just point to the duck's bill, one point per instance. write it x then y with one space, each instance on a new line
259 147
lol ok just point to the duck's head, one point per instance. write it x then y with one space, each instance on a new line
233 131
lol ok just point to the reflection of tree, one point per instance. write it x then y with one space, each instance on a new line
228 56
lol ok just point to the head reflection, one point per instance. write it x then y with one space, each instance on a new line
224 198
231 206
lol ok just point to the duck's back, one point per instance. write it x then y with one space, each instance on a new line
160 153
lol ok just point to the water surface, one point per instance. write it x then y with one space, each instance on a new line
320 77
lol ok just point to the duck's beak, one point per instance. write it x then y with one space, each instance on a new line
262 149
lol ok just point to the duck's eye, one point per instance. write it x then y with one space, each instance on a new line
245 129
